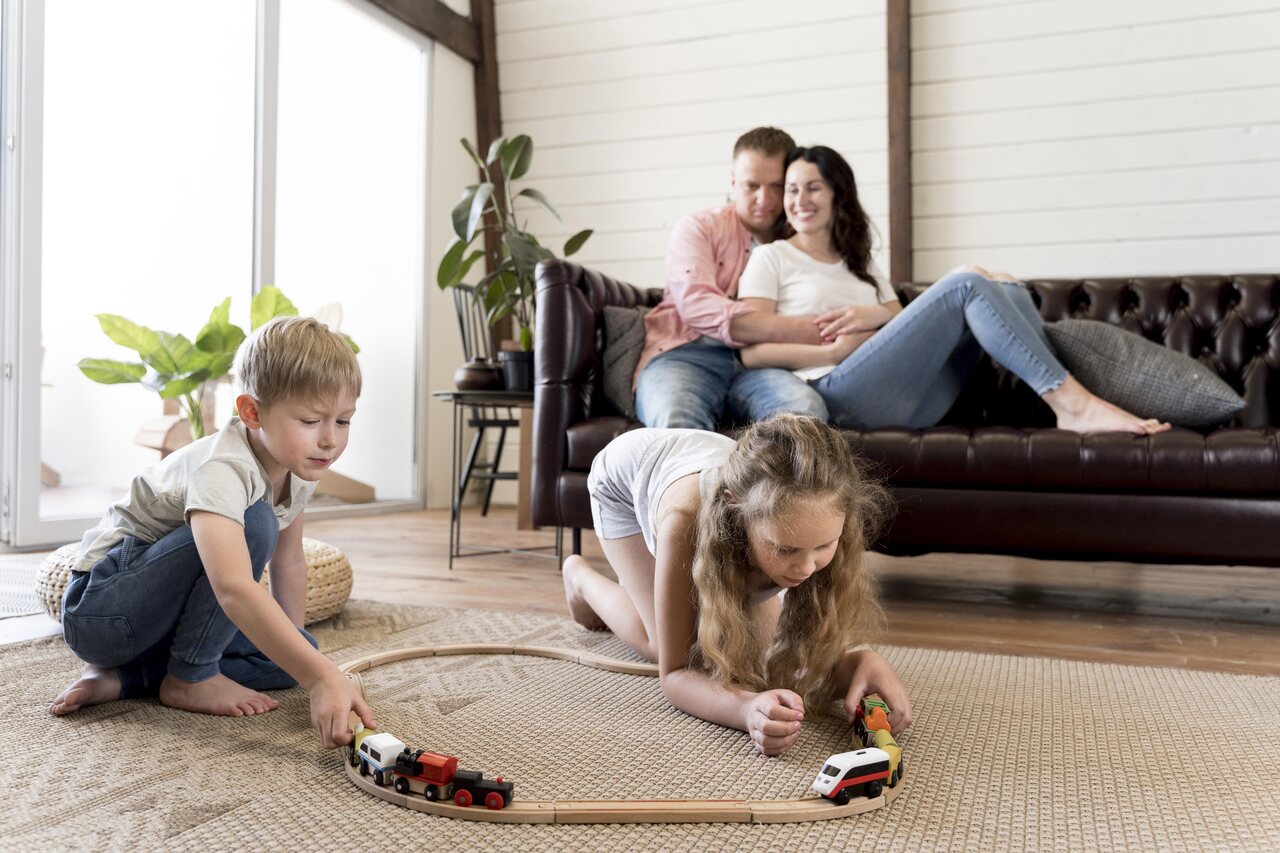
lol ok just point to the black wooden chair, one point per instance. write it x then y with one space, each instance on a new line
478 341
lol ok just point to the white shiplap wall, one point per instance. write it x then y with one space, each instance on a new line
1095 137
634 106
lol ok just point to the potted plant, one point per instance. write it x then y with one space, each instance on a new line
176 368
506 290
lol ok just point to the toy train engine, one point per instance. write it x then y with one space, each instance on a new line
377 753
427 773
470 786
848 774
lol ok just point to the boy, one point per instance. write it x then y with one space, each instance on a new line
170 573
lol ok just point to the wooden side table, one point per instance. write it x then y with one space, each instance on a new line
462 400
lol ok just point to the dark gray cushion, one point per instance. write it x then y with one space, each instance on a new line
1145 378
623 343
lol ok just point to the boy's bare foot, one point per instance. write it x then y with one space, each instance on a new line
219 696
95 686
570 573
1081 411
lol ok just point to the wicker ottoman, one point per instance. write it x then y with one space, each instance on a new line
328 579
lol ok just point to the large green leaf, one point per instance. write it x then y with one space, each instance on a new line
462 210
529 192
129 334
220 334
220 364
110 372
516 157
495 150
483 192
267 303
183 385
575 242
524 250
526 338
354 349
447 272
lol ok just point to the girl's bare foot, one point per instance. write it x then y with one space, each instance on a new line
219 696
1082 411
571 573
95 686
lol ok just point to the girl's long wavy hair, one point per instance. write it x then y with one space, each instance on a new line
785 462
851 234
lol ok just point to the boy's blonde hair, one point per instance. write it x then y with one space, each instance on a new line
291 357
784 462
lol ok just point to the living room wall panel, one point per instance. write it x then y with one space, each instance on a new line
1078 138
634 108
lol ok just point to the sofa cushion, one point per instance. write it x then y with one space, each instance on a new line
623 343
1141 376
1225 462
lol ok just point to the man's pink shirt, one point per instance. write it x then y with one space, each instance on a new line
705 258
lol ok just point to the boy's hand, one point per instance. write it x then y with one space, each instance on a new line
333 699
873 674
773 720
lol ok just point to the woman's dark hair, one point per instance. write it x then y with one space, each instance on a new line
850 227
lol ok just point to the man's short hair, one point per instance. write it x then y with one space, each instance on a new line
296 357
769 141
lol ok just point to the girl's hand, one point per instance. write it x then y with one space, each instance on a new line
847 321
333 699
773 720
873 674
843 346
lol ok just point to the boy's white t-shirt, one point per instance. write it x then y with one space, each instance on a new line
801 285
217 474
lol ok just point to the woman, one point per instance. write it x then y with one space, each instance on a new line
885 365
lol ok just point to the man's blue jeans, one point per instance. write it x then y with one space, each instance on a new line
696 385
147 609
910 372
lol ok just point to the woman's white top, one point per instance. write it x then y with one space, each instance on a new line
801 285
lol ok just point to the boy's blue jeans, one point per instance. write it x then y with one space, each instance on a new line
147 609
910 372
694 385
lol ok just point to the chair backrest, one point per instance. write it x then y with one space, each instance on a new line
478 338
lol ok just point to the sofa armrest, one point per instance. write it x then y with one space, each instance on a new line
568 340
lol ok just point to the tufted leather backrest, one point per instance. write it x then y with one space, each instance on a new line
1230 323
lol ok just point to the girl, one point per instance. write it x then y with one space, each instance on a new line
740 572
885 365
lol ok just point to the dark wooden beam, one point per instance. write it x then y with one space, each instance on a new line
440 23
488 113
899 49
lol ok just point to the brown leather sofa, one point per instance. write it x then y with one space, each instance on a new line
995 477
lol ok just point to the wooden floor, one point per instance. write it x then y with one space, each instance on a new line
1215 618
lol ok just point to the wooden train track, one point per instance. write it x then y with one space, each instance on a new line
599 811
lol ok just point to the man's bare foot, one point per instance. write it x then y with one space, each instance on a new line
219 696
570 573
1082 411
95 686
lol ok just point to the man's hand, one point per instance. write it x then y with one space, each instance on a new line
333 698
773 720
873 674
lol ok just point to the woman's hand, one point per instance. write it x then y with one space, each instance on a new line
873 674
843 346
773 720
855 318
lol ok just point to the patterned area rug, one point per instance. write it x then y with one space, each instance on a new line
18 584
1007 754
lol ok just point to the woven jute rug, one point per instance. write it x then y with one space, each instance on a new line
1006 754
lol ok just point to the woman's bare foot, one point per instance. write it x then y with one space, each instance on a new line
219 696
571 573
95 686
1082 411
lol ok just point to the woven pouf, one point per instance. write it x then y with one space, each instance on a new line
328 579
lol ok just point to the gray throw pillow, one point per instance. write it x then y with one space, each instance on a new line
623 343
1145 378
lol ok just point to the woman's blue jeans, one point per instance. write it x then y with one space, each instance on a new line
147 609
910 372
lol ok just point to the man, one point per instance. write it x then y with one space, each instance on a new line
689 374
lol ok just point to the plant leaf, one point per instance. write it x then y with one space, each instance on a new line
220 364
220 334
575 242
483 192
529 192
129 334
447 272
355 349
526 338
516 157
466 143
462 210
524 250
183 384
495 150
110 372
267 303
